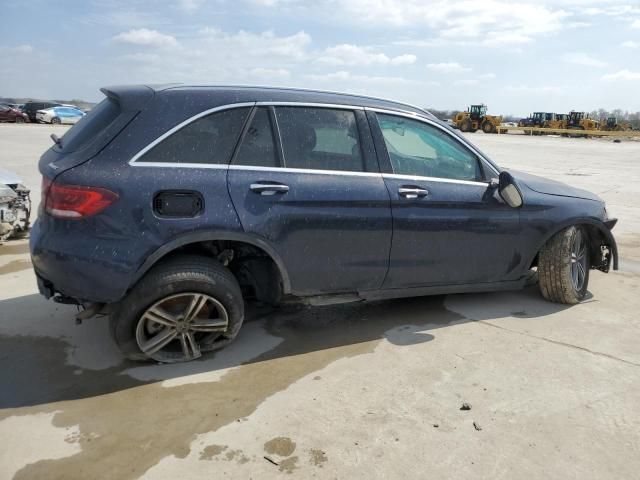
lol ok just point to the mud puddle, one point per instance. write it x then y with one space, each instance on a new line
125 432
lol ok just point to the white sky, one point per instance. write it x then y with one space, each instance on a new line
515 56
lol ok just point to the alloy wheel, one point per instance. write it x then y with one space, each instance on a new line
578 261
179 327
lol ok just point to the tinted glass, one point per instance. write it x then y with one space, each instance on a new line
258 147
209 139
416 148
320 139
98 118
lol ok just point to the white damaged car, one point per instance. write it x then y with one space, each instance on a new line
15 206
58 115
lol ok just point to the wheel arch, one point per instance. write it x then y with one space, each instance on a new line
208 236
598 233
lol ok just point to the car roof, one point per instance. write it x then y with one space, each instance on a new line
266 94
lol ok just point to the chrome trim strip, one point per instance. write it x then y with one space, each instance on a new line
433 179
424 119
215 166
183 124
250 168
309 104
304 170
402 113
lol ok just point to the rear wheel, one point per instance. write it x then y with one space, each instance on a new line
563 266
181 309
55 121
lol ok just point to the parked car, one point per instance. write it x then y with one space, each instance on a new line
60 115
30 108
216 195
12 114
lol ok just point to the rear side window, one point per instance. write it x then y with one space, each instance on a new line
258 147
209 139
320 139
98 118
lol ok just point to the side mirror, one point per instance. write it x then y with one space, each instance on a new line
509 190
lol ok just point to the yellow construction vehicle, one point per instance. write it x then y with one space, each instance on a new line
580 121
611 124
476 118
555 120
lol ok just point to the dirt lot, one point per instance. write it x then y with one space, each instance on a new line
354 391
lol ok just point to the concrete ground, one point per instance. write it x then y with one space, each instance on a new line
354 391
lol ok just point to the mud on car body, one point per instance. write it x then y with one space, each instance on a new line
168 207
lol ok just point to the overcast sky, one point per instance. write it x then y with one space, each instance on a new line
515 56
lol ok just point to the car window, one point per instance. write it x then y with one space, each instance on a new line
258 147
320 139
209 139
416 148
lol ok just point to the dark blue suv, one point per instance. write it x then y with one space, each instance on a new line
168 207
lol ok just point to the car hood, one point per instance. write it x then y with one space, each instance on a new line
9 178
551 187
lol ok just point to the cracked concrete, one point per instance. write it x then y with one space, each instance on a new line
351 391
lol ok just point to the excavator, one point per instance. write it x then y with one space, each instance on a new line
474 118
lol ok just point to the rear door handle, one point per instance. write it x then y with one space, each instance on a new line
269 188
409 191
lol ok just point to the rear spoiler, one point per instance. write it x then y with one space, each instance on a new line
129 97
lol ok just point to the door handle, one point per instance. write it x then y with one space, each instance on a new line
269 188
407 191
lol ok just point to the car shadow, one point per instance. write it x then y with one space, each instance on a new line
47 358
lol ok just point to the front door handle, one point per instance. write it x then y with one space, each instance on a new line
409 191
269 188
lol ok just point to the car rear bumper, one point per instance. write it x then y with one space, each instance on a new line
78 270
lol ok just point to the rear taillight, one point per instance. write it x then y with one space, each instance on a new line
74 201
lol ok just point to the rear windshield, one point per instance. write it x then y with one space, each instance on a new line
98 118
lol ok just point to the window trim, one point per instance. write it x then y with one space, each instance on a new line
274 135
401 113
358 126
480 158
133 162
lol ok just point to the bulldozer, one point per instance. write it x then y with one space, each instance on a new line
555 120
580 121
535 120
611 124
474 118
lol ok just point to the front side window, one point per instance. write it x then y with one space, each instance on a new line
416 148
209 139
320 139
258 147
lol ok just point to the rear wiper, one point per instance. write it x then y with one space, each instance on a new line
57 140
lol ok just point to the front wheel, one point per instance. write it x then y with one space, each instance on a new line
55 121
563 266
181 309
488 127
